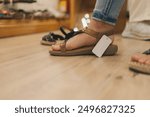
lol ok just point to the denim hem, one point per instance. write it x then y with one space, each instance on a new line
101 17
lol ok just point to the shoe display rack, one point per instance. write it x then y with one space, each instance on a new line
14 27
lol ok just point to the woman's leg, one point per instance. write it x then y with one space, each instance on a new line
107 10
139 21
105 15
139 11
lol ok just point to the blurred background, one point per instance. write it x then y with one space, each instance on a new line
20 17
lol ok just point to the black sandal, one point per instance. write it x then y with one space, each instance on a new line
52 38
147 52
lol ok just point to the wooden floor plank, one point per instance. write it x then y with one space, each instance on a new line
27 71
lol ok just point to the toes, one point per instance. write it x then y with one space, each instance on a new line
142 60
56 47
147 62
136 57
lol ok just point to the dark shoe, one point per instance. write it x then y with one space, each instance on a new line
52 38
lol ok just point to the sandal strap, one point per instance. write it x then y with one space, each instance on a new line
71 32
147 52
90 32
97 35
62 29
63 46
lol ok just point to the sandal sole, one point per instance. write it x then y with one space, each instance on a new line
142 68
111 50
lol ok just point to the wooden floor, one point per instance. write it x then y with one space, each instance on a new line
27 71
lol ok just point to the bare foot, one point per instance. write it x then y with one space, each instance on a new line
84 39
141 58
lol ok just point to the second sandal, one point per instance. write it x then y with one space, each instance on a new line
52 38
140 67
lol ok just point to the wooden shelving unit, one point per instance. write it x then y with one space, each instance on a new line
20 27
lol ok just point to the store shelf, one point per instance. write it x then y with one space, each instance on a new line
21 27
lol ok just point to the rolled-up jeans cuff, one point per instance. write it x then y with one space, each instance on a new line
97 15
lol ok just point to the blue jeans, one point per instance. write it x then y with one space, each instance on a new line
107 10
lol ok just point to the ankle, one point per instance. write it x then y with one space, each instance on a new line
99 26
